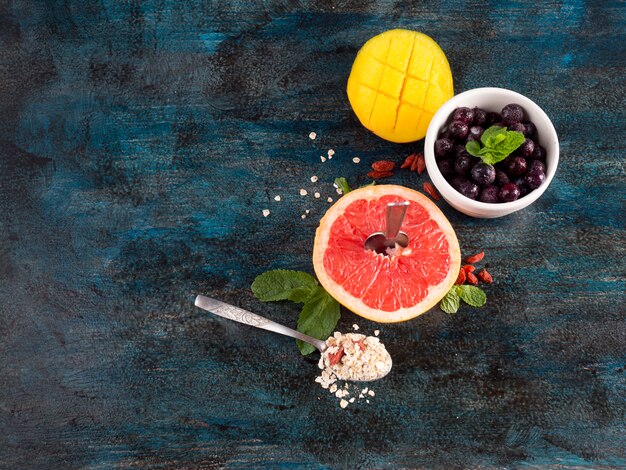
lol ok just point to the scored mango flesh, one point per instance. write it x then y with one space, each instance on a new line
398 81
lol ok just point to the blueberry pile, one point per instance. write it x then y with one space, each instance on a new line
518 174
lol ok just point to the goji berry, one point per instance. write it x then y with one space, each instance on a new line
469 268
408 161
415 162
475 258
461 278
430 189
420 164
484 276
380 174
383 165
471 278
336 357
361 344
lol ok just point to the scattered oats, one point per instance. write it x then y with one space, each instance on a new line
356 160
339 191
360 396
323 158
303 216
276 198
343 403
312 135
371 393
307 211
317 195
331 152
313 179
351 400
355 327
330 199
364 390
367 401
303 192
376 332
335 185
333 388
266 212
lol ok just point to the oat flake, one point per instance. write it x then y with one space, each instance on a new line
314 179
312 135
266 212
276 198
356 160
303 192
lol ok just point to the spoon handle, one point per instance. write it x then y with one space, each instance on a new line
394 218
240 315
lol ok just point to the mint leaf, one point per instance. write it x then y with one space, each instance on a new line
472 295
451 302
369 184
283 284
473 148
318 318
490 133
342 184
498 143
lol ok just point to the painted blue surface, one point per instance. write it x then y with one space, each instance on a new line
140 142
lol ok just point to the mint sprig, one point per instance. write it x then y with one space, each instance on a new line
320 313
497 144
471 295
342 184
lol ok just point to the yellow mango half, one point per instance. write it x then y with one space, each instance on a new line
398 81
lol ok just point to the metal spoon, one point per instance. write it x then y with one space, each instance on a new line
240 315
380 241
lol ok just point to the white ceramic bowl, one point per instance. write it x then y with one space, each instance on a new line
490 99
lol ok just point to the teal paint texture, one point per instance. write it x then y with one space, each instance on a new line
139 143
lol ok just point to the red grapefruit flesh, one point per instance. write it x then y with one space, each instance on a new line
386 288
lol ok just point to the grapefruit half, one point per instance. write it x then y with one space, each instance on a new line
391 287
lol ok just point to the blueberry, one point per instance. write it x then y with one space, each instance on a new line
517 127
534 179
492 118
465 187
515 165
527 148
512 113
483 173
508 192
458 130
462 164
536 165
489 194
530 129
480 117
521 184
443 147
475 133
501 178
460 151
539 153
446 166
465 115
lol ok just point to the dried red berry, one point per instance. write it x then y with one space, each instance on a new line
361 344
475 258
383 165
430 189
380 174
461 278
471 278
420 164
336 357
484 276
469 268
408 161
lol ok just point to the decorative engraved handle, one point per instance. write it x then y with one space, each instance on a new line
240 315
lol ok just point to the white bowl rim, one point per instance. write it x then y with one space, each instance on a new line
448 192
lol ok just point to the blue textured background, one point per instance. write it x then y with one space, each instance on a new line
139 142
